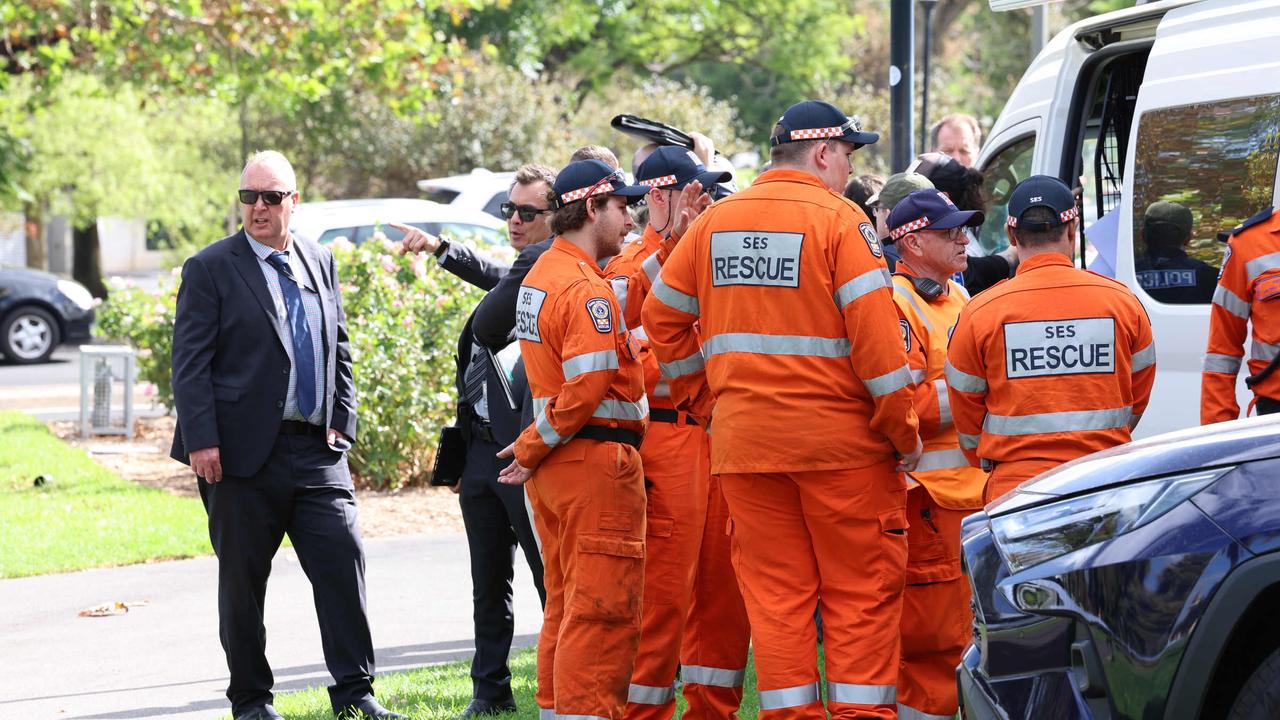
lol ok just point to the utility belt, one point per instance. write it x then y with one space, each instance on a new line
297 427
608 434
667 415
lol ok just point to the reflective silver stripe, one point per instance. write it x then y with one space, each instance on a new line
776 345
650 695
789 697
1071 421
651 267
590 362
889 382
906 712
662 389
917 376
942 460
620 291
1259 265
675 299
963 381
622 410
911 298
1229 364
683 366
861 694
545 431
1231 302
641 334
944 402
546 714
1259 350
969 442
712 676
1144 358
540 404
867 282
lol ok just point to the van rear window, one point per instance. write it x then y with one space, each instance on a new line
1217 160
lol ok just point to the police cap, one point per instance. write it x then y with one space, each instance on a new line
583 179
819 120
1162 212
1041 191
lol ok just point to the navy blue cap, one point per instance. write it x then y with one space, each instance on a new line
1041 191
818 120
929 209
588 178
674 167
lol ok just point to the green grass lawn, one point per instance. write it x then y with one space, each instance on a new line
85 516
440 692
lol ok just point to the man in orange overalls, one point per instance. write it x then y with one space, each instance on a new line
1053 364
1248 290
929 232
797 347
687 546
580 456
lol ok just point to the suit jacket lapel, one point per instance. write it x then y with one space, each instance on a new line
246 263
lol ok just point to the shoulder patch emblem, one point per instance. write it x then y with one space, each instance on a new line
906 335
873 243
601 313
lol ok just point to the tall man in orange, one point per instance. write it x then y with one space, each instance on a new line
580 456
1053 364
685 557
929 231
1247 292
801 357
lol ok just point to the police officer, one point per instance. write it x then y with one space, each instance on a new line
929 230
1056 362
775 308
1248 294
580 456
1165 270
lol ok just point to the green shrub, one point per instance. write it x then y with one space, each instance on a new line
404 315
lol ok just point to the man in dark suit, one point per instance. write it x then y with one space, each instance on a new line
266 409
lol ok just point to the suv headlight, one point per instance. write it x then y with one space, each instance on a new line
76 293
1036 535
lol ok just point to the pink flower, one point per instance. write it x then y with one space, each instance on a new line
406 321
419 265
148 390
388 263
341 244
441 302
397 304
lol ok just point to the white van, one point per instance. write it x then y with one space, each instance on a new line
1175 100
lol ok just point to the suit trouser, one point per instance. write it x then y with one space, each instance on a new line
677 463
497 519
589 506
304 490
834 539
936 618
717 637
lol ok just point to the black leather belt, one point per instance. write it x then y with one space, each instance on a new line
607 434
667 415
294 427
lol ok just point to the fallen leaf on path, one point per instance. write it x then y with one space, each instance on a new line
109 609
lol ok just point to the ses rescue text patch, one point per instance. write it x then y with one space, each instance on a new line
1076 346
752 257
528 308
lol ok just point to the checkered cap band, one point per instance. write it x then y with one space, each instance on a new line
658 182
912 226
597 189
1011 221
817 133
1065 216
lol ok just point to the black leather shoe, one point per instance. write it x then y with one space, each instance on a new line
479 707
368 708
262 712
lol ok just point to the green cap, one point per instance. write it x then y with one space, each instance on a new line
898 186
1163 212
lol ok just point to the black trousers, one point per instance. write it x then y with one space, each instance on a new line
305 491
497 518
1267 406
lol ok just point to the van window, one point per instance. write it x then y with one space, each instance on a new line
329 236
1216 159
493 207
1006 168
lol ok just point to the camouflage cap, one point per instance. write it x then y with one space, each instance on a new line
898 186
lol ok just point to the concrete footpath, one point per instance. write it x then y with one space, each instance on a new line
163 659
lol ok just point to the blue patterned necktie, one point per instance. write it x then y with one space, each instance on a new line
304 363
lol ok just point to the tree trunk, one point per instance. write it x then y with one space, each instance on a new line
34 213
86 264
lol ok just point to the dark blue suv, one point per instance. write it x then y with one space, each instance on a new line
1139 582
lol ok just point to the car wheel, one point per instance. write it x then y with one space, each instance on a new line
28 335
1259 699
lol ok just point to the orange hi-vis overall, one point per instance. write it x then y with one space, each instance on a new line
1046 367
587 488
679 564
1248 293
945 488
798 358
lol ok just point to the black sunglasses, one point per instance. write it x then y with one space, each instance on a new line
527 212
270 197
